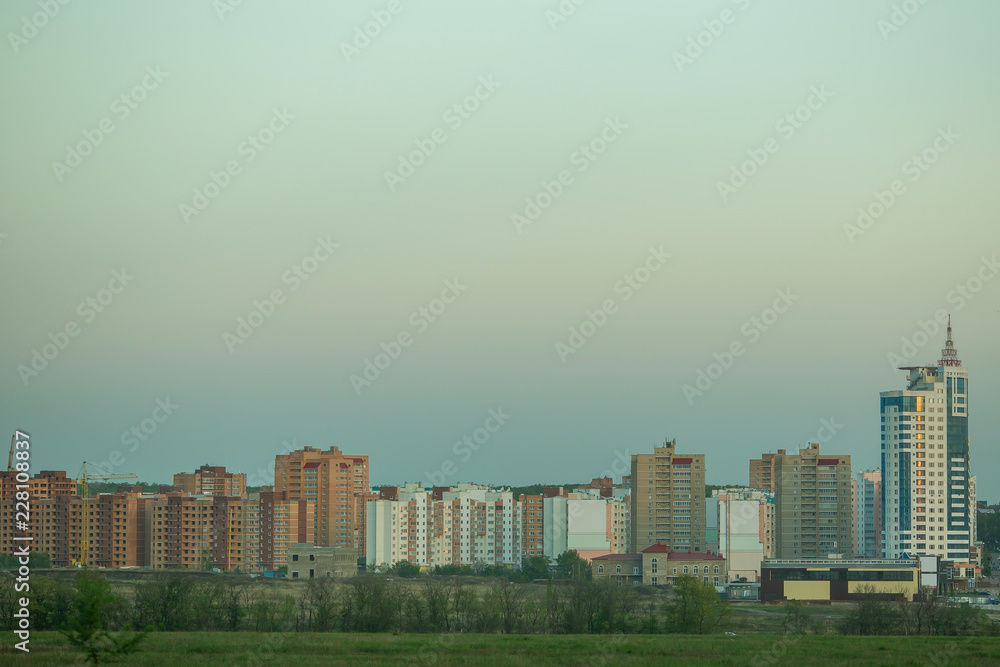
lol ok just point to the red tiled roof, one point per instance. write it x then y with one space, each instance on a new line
828 462
310 465
656 549
680 555
681 460
618 557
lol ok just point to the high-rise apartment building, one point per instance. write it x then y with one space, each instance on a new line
762 472
211 481
812 501
468 525
867 492
926 495
668 499
337 483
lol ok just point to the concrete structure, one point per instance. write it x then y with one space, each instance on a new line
867 497
746 531
668 499
824 579
306 561
336 483
211 481
812 499
927 500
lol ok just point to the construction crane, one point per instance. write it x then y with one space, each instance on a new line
85 479
10 457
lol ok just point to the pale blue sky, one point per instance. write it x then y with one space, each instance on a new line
495 345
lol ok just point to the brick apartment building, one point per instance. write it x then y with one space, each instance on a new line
336 483
211 481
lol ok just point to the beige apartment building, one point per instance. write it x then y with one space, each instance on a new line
337 483
812 500
762 472
668 500
211 481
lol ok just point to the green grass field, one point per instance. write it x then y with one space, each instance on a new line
189 649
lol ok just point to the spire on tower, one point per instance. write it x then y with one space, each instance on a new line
949 355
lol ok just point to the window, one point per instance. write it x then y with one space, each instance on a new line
716 571
635 570
675 571
653 565
295 557
312 557
618 569
654 581
600 569
685 569
696 569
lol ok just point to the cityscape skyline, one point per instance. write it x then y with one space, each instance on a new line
238 214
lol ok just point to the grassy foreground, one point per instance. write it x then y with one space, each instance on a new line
189 649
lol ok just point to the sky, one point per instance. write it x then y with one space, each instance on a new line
493 242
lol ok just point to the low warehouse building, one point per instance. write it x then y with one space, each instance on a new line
825 579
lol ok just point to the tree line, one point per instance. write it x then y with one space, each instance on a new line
175 601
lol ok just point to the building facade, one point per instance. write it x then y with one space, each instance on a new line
336 483
468 525
668 499
926 495
306 561
868 514
812 501
825 579
762 473
211 481
746 531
